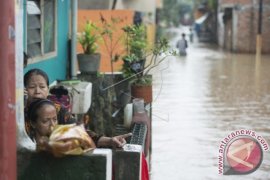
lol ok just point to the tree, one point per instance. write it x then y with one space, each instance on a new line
174 10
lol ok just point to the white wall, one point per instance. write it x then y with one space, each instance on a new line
145 6
95 4
23 141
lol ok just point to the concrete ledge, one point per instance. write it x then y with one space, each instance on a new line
95 165
108 154
127 163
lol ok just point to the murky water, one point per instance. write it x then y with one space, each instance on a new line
200 99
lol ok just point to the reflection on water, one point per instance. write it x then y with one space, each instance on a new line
202 98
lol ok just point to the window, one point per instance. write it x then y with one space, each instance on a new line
41 29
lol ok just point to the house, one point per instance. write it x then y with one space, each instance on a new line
205 22
47 36
48 31
45 30
238 25
128 11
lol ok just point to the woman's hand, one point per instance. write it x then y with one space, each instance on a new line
119 141
43 143
114 142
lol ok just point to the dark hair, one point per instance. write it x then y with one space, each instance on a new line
34 106
32 72
25 59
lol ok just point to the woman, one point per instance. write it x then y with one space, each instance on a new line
60 140
43 117
36 83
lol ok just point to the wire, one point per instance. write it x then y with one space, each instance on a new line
161 77
159 92
115 84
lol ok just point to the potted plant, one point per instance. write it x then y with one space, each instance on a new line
136 45
134 67
89 60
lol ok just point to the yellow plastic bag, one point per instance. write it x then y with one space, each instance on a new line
70 140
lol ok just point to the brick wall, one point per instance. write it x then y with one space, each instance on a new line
246 41
243 2
266 28
247 24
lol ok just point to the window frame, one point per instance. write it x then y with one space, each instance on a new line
43 56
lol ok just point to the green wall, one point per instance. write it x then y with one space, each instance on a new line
56 67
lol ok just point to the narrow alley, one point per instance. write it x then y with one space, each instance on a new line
200 99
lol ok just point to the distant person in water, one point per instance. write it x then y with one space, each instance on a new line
190 35
182 45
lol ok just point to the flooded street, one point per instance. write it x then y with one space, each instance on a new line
200 99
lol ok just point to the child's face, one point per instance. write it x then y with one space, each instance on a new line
47 119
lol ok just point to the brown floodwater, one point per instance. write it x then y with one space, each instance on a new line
199 100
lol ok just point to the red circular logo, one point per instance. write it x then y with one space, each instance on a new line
244 155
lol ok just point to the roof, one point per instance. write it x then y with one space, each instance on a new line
201 19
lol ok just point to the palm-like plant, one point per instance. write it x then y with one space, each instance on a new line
89 60
89 38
